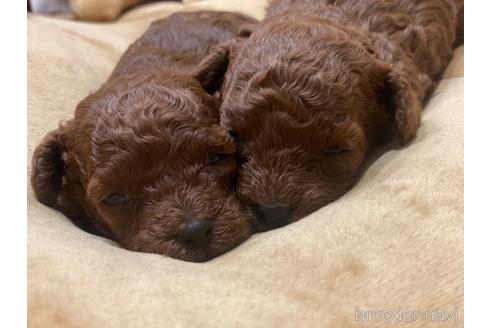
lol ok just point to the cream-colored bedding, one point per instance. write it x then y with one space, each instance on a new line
395 240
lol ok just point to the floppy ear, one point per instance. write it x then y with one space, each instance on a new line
210 72
48 168
460 23
403 100
47 174
404 88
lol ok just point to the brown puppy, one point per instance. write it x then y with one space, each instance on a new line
321 83
145 161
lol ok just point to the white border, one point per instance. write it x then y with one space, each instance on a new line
478 163
13 238
478 169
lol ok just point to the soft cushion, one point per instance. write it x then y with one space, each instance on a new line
394 241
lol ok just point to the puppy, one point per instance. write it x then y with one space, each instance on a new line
144 161
318 85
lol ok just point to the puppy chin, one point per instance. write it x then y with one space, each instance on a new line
220 244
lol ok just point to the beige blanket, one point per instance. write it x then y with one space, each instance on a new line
394 242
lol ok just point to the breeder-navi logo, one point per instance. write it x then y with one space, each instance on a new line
405 315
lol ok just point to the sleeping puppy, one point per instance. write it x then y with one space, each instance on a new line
318 85
144 161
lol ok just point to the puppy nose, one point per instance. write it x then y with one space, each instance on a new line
273 215
196 233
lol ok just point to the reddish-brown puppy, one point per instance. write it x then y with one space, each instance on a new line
321 83
145 161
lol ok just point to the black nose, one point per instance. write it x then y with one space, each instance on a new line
273 215
196 233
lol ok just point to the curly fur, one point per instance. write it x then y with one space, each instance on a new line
321 75
149 131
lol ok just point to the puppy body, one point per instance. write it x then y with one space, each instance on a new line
144 157
318 85
426 29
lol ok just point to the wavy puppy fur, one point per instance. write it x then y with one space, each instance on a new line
318 85
144 161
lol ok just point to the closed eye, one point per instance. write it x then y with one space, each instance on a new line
117 198
216 158
331 151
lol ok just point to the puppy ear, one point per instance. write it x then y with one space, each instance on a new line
47 174
47 168
403 100
403 89
460 23
210 72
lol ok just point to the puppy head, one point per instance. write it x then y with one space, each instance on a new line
305 120
148 166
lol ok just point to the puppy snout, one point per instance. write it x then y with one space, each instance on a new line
273 215
196 233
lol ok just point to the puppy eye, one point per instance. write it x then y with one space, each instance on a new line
117 198
215 158
334 151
